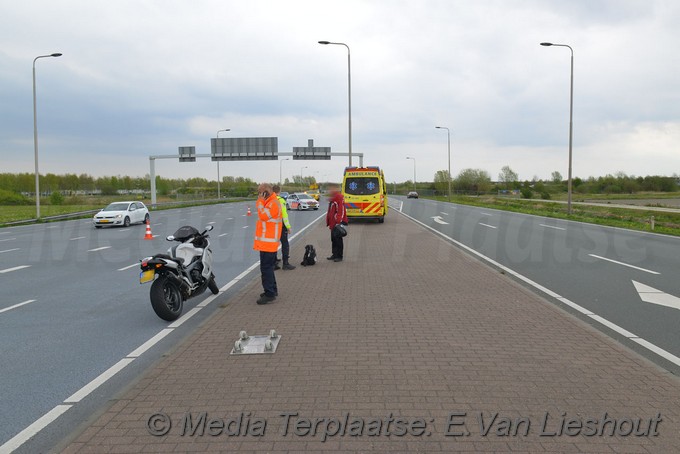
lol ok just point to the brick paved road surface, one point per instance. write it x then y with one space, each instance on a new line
407 326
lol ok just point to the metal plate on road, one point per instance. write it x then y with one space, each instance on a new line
253 345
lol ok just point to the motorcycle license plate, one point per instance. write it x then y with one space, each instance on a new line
146 276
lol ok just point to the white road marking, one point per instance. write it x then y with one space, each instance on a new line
7 270
651 295
245 226
158 223
45 420
51 226
230 219
485 213
222 234
22 437
445 214
124 230
211 222
552 227
150 343
128 267
77 238
439 220
99 249
487 225
623 264
16 305
7 239
10 250
633 337
177 323
183 219
98 381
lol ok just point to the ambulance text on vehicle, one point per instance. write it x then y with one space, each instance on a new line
365 193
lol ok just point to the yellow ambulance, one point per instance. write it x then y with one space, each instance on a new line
365 193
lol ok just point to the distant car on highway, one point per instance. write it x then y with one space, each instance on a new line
121 213
301 201
412 195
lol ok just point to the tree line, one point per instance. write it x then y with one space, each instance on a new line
479 181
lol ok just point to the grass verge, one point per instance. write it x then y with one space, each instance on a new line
18 213
667 223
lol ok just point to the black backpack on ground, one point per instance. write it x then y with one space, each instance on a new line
310 256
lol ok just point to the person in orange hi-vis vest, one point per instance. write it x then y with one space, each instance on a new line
267 238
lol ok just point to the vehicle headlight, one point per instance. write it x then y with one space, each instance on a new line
119 216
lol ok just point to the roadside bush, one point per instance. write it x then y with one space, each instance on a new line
56 198
527 193
545 195
12 198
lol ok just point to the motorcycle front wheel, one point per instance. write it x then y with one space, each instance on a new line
166 299
212 285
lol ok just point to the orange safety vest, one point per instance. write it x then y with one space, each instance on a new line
268 228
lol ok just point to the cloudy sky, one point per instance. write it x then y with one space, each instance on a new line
140 78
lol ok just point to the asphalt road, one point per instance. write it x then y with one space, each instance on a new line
71 307
593 266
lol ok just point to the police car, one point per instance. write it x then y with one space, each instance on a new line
301 201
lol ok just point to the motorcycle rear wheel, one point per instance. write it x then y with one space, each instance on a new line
166 299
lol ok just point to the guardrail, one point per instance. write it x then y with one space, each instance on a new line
59 217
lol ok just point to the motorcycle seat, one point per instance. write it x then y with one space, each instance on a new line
179 260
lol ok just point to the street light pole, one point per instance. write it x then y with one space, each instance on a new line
302 186
571 119
349 93
35 137
448 136
218 164
414 173
281 171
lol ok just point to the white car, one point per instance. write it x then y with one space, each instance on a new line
121 213
301 201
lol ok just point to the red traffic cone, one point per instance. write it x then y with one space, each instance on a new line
148 235
249 213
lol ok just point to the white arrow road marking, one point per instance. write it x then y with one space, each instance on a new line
487 225
651 295
98 249
439 220
623 264
552 227
7 270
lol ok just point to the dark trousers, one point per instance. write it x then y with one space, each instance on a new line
285 247
267 262
337 246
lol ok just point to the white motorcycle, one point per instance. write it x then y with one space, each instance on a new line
184 272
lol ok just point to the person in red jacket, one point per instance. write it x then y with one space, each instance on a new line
336 215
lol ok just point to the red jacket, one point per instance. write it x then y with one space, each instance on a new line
336 211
